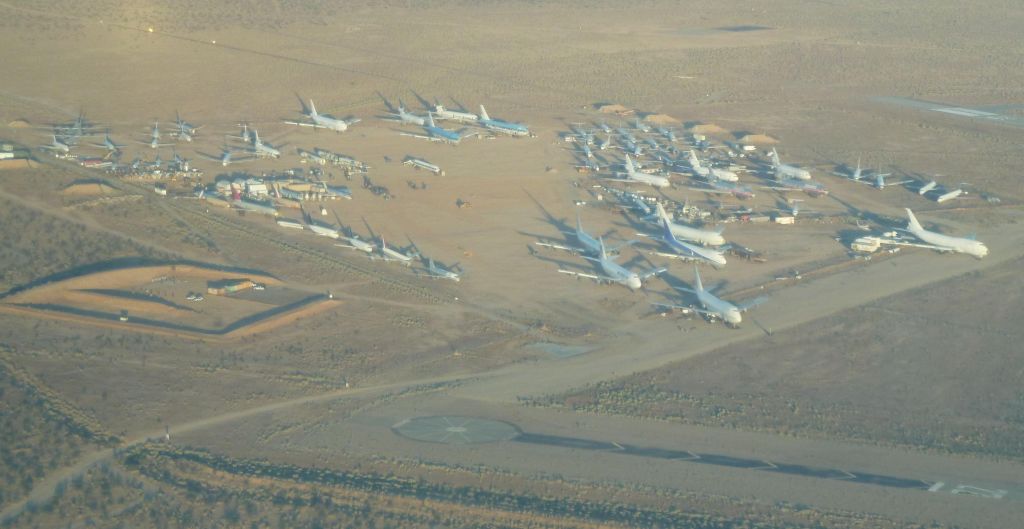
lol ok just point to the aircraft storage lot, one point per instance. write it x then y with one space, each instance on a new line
326 389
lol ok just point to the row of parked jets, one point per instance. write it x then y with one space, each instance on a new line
67 136
708 246
710 177
705 246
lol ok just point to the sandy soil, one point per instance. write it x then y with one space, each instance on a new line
806 81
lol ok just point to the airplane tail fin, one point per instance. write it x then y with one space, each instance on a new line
662 214
430 119
312 108
775 156
856 172
697 285
913 225
604 253
483 114
667 228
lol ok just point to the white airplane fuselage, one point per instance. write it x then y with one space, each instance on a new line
324 231
412 119
619 274
454 115
946 242
360 245
728 312
689 233
701 236
789 171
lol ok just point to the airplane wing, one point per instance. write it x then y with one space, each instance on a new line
420 136
302 124
681 257
790 188
747 305
710 190
559 247
684 289
389 259
685 309
585 275
653 272
357 248
623 180
690 309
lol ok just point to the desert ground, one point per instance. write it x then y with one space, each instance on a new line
881 392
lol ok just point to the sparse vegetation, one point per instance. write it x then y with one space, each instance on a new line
43 245
39 432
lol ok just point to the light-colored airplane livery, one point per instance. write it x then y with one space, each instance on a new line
784 183
684 250
588 245
632 176
714 306
501 126
404 116
154 138
713 172
263 149
435 133
323 121
689 233
57 145
786 170
945 243
109 145
438 271
876 181
226 158
614 272
393 255
454 115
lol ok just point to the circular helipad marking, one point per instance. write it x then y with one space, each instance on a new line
456 429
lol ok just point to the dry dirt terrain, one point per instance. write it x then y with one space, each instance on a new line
880 392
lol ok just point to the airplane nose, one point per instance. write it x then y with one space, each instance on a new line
634 283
